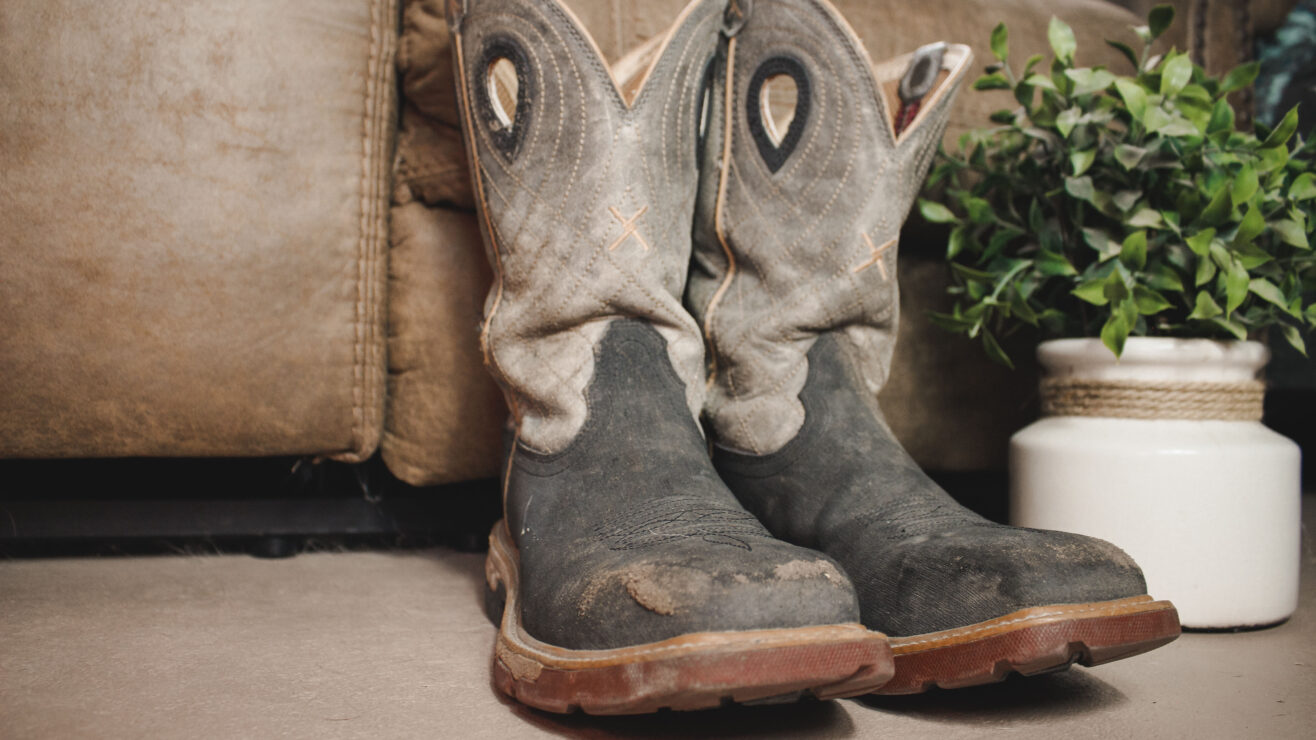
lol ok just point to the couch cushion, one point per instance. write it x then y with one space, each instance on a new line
192 216
445 415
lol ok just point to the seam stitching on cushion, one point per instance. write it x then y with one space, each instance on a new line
367 263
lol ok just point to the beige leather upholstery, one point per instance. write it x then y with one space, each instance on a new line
445 413
192 226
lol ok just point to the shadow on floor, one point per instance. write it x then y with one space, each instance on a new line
807 719
1016 700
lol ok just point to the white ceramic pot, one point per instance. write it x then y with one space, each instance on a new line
1209 508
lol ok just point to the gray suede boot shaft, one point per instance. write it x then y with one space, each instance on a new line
794 284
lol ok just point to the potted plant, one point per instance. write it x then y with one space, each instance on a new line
1124 218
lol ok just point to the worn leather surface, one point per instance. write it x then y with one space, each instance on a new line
445 415
627 536
804 240
586 198
192 226
433 171
920 562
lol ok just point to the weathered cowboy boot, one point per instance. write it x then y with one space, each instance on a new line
625 576
794 283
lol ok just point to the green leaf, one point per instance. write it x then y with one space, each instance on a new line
1236 281
1003 117
1116 332
1133 253
1156 119
1303 187
1135 97
980 211
1129 156
1245 185
994 351
1062 40
1022 311
1205 271
1176 72
1171 219
955 244
1294 338
1067 120
1081 161
1081 188
1126 199
1148 218
1290 232
1200 242
1249 228
1280 135
993 81
1148 301
1088 81
936 212
1206 307
1160 19
1038 80
1092 291
1239 77
1270 293
1115 290
1125 50
1272 158
1052 264
1000 42
1222 118
971 274
1233 327
1217 211
1163 277
1220 255
1253 256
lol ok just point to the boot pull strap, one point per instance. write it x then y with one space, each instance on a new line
735 16
917 82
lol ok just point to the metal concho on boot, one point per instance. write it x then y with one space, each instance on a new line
625 576
794 283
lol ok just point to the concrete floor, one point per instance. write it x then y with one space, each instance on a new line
394 645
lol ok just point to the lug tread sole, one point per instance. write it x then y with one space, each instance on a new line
1031 642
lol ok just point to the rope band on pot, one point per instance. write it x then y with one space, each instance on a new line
1237 401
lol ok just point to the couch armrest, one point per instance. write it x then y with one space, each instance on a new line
192 225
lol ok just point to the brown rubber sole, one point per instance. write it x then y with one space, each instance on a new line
694 671
1030 642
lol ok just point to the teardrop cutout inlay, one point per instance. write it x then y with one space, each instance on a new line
777 107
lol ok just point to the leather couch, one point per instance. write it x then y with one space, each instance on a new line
244 228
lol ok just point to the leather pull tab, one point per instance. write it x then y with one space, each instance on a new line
454 11
917 83
735 16
921 74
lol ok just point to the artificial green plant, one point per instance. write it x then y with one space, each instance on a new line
1114 205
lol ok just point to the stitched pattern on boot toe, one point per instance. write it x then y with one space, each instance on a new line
680 517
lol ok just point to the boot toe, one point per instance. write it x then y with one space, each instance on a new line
973 574
638 600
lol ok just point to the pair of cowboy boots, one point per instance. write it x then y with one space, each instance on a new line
641 216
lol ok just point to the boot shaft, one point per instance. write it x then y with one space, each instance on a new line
797 224
586 193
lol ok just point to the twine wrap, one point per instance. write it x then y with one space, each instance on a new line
1126 399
